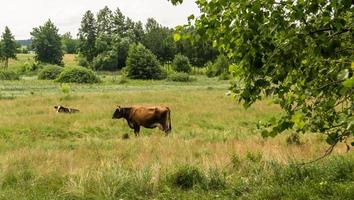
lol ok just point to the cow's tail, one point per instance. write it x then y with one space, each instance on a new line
169 127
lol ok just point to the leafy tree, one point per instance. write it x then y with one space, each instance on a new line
114 57
103 43
118 22
70 45
8 46
87 36
46 43
159 40
121 47
138 32
199 51
106 61
104 30
300 52
104 21
143 64
181 64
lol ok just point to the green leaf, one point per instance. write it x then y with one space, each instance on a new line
191 17
298 120
176 37
349 83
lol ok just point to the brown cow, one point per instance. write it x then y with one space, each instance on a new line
148 117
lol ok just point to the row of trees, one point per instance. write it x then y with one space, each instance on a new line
104 41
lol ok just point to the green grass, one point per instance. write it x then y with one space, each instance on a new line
214 151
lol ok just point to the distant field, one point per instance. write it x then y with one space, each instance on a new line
215 150
68 59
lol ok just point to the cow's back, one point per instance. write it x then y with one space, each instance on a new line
148 115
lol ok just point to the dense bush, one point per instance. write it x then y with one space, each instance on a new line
77 75
187 177
8 75
180 77
143 64
181 64
29 68
49 72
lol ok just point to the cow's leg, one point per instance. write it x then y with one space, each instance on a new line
165 127
136 130
168 122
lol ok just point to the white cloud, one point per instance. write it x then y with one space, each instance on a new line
21 16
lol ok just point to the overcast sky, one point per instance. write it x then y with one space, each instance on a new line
21 16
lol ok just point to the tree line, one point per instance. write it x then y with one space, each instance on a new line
104 39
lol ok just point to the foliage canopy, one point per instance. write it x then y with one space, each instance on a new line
46 43
300 52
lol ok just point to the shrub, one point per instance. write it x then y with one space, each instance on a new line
180 77
143 64
187 177
77 75
49 72
29 68
8 75
181 64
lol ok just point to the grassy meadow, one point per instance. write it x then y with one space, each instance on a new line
214 151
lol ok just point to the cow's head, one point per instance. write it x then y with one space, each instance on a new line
118 113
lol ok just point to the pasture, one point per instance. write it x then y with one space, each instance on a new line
214 151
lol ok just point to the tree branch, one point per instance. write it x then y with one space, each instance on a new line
327 153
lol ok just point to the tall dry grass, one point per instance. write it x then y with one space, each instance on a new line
84 156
